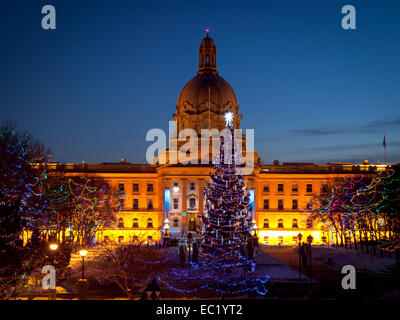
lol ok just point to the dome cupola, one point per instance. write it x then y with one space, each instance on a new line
207 56
204 100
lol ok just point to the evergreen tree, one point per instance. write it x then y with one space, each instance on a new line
227 253
227 221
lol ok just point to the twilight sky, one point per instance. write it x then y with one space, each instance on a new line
112 70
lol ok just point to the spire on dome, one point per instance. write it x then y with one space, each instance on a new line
207 55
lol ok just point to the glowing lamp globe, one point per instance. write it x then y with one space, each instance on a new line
53 246
83 253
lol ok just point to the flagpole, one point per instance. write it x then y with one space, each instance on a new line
384 146
209 109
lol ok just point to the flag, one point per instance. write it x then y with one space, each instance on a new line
384 141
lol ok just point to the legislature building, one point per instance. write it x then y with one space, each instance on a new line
164 195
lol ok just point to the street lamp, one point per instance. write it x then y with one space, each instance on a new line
175 188
83 281
254 226
189 240
310 240
53 247
83 254
166 232
299 236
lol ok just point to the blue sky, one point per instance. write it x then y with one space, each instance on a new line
112 70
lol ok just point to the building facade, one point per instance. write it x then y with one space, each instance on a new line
166 193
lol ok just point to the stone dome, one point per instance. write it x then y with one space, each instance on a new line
207 96
203 88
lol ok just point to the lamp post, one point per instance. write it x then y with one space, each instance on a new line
53 246
83 254
299 237
166 232
189 240
310 240
83 281
255 237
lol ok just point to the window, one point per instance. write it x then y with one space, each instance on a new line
121 239
294 223
121 187
294 239
120 223
280 223
149 187
135 204
176 203
309 223
266 223
266 239
266 204
295 188
106 238
175 223
309 188
149 223
280 204
294 204
135 187
135 239
266 187
135 223
149 238
192 186
324 239
280 240
150 204
121 204
192 203
280 187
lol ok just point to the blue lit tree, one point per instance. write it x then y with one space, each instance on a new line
227 221
227 258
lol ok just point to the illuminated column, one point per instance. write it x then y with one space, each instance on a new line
201 195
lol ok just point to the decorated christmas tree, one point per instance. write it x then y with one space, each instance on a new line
226 233
226 260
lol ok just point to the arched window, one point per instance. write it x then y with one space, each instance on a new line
120 223
135 223
294 223
149 223
192 203
280 223
266 223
